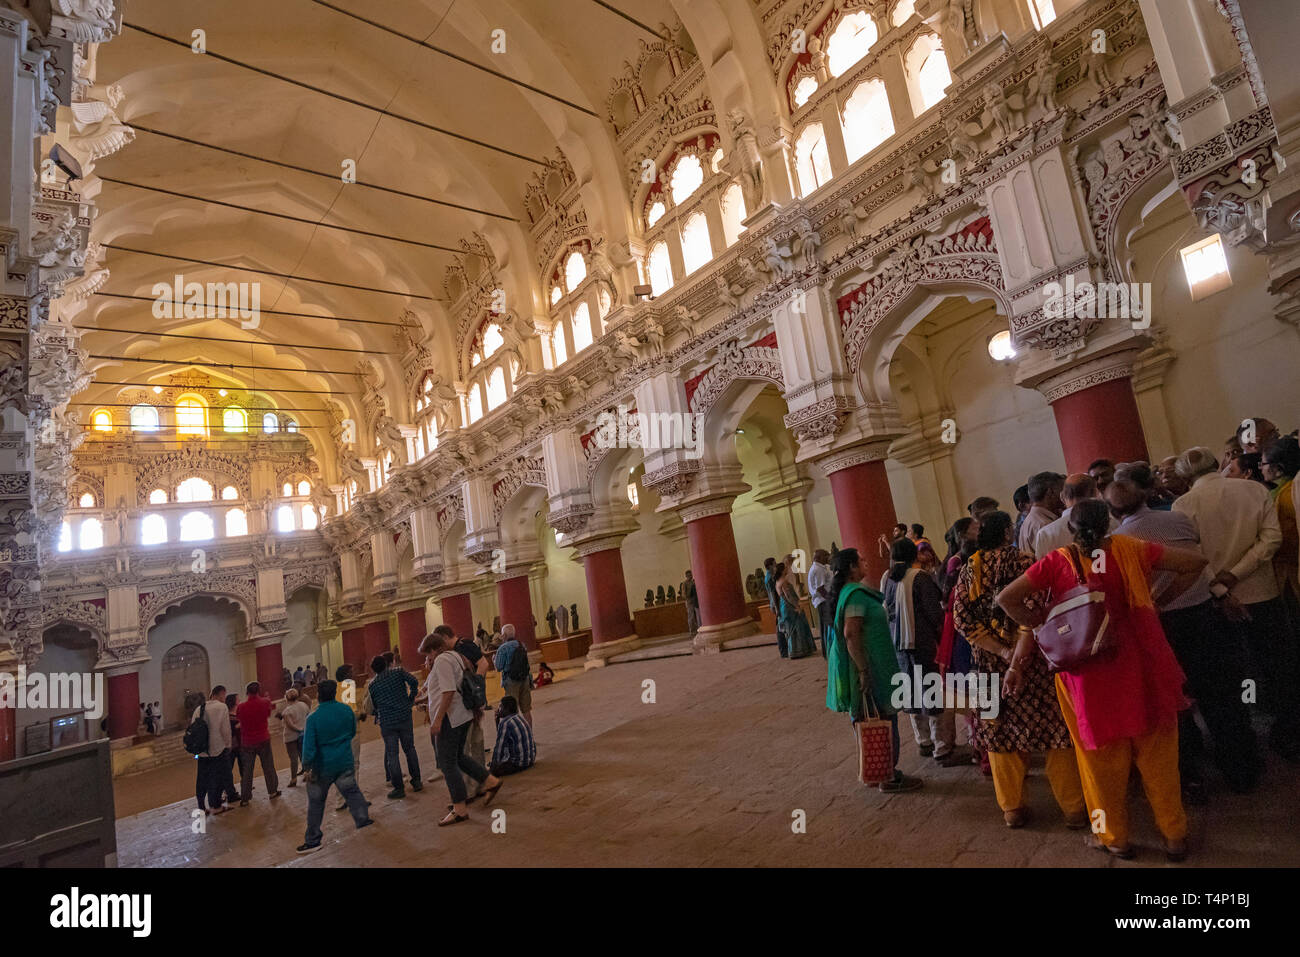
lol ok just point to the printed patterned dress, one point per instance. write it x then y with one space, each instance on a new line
1031 719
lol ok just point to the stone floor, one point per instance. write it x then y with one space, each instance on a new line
712 773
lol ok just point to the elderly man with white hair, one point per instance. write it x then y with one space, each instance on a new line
1239 531
516 673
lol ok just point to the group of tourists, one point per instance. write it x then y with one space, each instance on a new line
1113 609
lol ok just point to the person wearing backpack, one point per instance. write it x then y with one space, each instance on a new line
452 700
208 739
516 678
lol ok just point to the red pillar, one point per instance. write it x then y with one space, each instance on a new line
457 613
515 605
716 568
270 664
123 704
1100 422
9 733
607 595
375 639
410 632
354 649
864 506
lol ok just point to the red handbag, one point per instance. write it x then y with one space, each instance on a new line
875 746
1077 628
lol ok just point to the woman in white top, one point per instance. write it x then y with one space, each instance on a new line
450 723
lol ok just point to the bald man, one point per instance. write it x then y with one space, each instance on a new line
1078 487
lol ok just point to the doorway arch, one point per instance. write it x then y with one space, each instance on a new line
185 674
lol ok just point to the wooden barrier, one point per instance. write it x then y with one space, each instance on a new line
659 621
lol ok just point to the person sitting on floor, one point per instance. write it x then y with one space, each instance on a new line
515 749
545 675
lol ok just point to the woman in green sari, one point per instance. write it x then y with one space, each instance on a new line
861 660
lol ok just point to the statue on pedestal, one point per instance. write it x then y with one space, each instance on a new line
649 597
672 595
562 620
550 620
573 613
660 597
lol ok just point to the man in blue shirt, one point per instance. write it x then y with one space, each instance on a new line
516 676
327 758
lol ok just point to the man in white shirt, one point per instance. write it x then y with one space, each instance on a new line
1045 507
819 587
293 721
1056 534
1239 530
215 777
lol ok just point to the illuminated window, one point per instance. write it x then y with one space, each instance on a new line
304 487
496 387
811 159
153 530
656 213
558 346
287 490
850 42
660 269
236 523
1206 267
86 501
229 492
194 489
1001 348
932 75
284 518
292 426
688 176
556 295
632 496
715 164
733 213
575 271
902 11
197 527
234 419
604 301
867 120
804 89
65 537
309 517
492 340
102 421
581 326
696 247
270 423
144 418
157 497
475 403
191 417
1043 12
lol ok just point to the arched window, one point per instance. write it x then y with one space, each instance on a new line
733 213
284 518
575 271
310 519
270 423
229 493
804 89
194 489
903 11
157 497
191 416
812 159
287 490
660 269
153 530
492 340
655 214
92 534
304 487
558 347
556 295
867 120
496 388
236 523
101 420
604 302
197 527
234 419
581 328
1043 12
144 418
65 537
475 402
697 249
850 42
86 501
292 426
688 176
926 66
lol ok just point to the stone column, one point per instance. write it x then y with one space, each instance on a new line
864 505
410 632
1097 414
269 652
458 613
718 581
123 701
354 648
8 728
375 639
515 605
612 629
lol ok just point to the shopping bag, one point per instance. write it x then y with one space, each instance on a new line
875 746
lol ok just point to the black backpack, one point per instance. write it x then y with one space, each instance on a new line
196 735
517 668
473 690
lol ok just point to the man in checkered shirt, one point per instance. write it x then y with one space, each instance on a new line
392 692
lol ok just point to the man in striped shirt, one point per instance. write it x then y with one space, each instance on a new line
515 749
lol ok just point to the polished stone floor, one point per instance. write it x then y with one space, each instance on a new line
714 772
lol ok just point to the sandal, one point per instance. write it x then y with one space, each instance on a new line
453 818
490 793
1126 853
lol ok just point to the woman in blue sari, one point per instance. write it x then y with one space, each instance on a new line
798 633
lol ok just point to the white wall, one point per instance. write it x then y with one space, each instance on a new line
302 645
213 624
67 651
